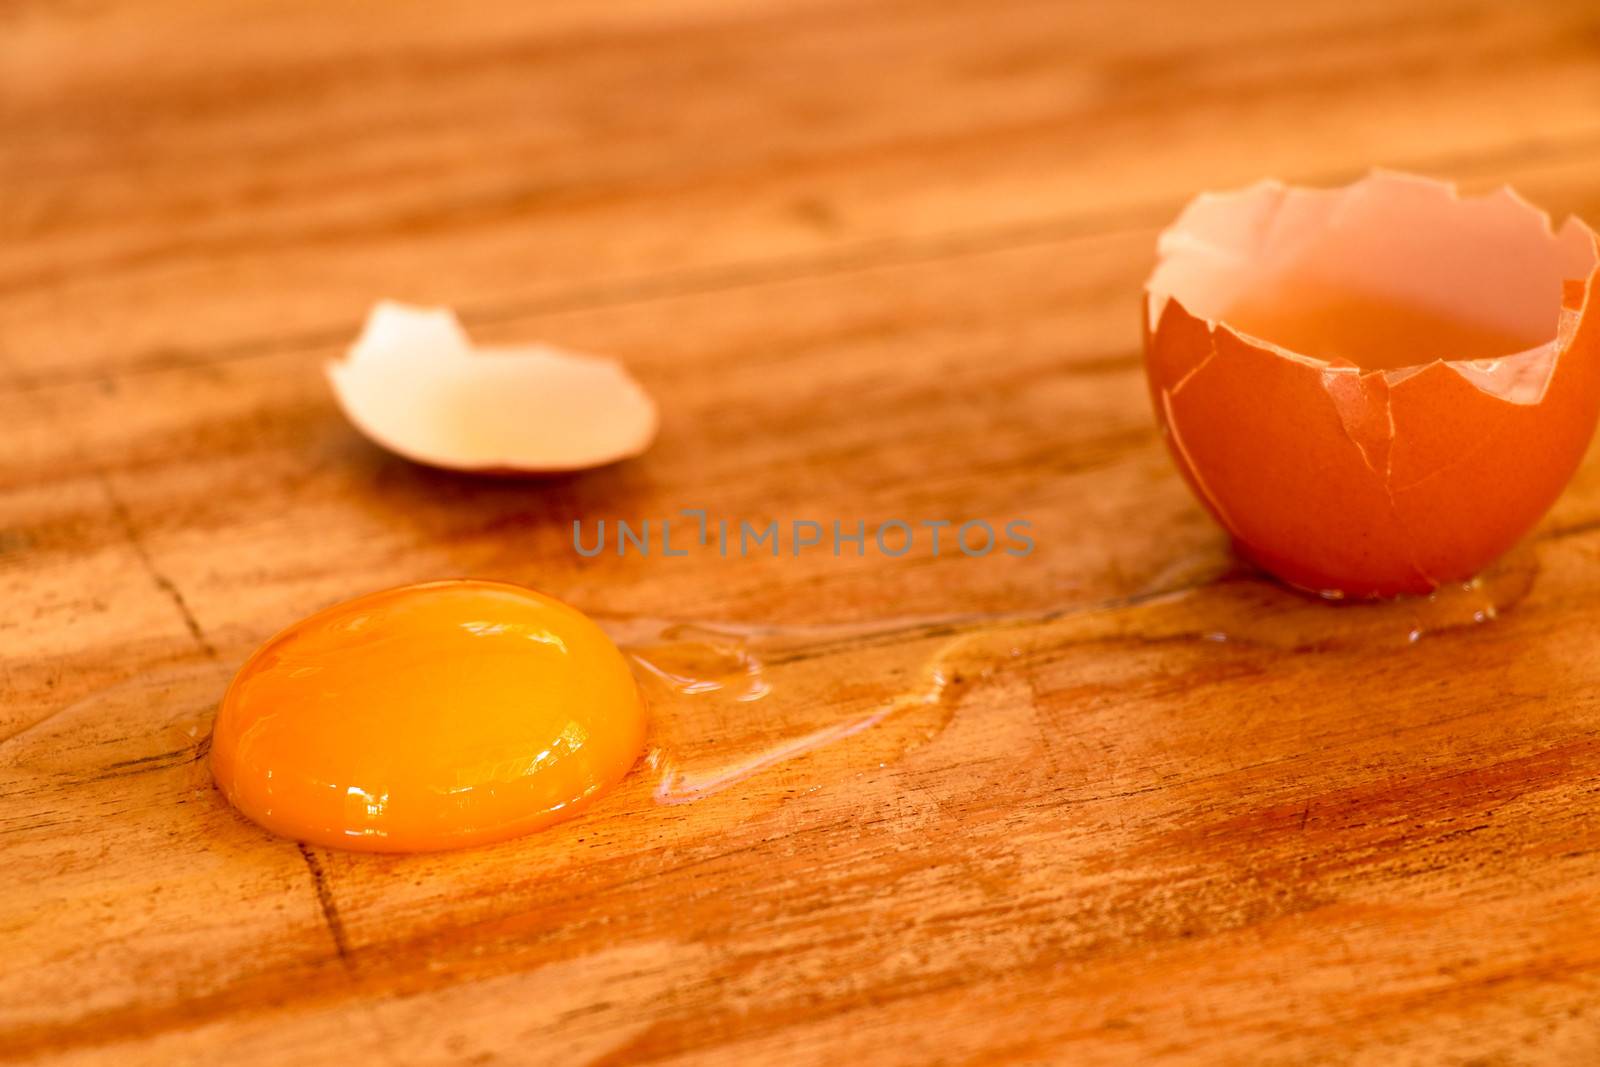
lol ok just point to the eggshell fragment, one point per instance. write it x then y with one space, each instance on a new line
1375 389
414 384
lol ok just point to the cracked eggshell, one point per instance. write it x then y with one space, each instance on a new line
1375 389
414 384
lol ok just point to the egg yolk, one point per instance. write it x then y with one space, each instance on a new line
428 717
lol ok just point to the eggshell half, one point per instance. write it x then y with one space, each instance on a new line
1372 475
414 384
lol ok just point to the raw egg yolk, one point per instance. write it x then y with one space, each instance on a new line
428 717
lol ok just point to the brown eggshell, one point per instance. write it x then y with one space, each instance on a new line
1352 482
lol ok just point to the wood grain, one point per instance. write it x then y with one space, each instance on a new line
875 260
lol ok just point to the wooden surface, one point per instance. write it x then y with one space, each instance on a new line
875 260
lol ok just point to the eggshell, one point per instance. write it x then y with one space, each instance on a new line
414 384
1374 477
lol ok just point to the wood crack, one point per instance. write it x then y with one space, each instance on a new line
330 909
164 584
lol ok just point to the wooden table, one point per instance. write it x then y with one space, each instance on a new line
875 260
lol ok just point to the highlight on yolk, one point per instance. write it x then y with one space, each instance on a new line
428 717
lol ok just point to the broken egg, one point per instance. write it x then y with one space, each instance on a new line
414 384
1376 389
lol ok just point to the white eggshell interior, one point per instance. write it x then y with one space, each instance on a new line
414 383
1492 260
